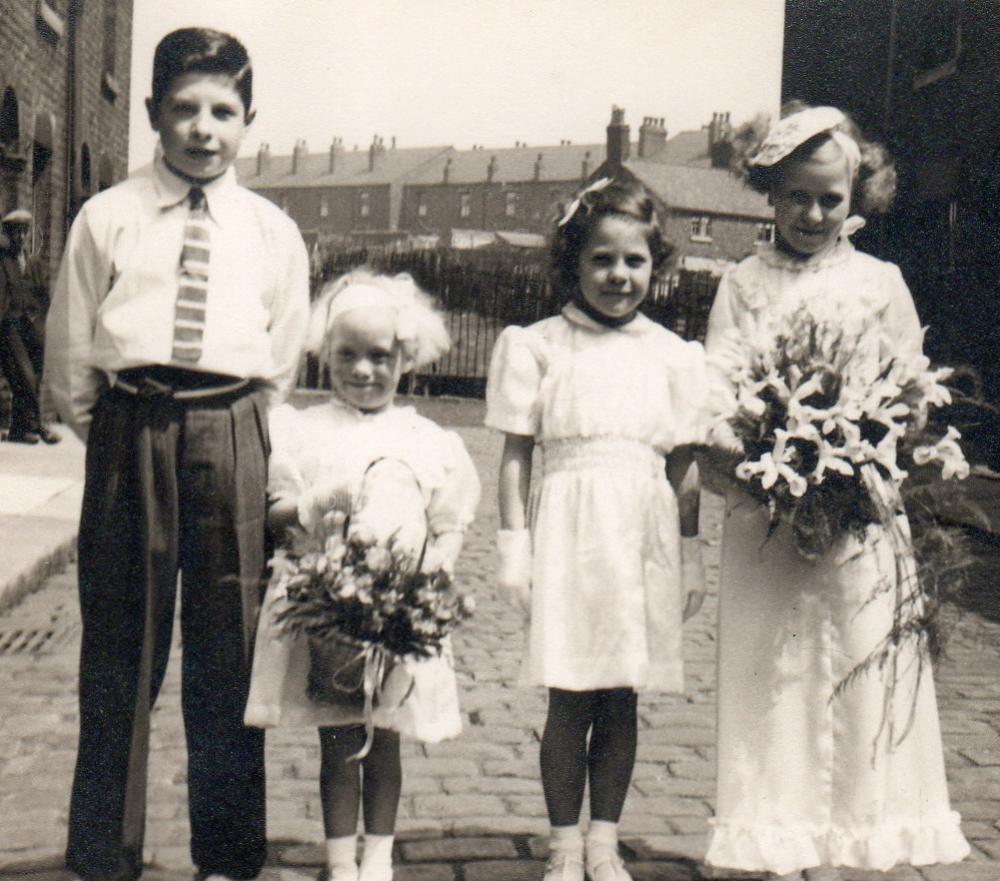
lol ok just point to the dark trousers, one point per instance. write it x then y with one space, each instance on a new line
21 355
170 486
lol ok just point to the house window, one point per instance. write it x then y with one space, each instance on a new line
366 207
324 206
765 233
701 229
465 205
510 206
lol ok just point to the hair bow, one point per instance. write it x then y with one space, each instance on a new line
574 206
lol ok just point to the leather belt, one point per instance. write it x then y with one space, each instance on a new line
177 384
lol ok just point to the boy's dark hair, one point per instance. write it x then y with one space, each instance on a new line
205 50
622 197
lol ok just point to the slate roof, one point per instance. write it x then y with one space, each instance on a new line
704 190
560 162
351 168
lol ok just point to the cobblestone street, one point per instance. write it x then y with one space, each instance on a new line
472 809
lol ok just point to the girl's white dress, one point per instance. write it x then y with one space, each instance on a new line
605 405
331 445
806 778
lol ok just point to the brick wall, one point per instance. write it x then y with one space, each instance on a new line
535 204
732 238
34 58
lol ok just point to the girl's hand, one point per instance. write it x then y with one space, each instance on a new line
317 501
514 569
692 575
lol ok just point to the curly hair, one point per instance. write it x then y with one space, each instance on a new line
427 339
621 197
872 189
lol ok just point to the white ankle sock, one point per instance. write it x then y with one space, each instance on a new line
341 852
378 850
602 837
566 838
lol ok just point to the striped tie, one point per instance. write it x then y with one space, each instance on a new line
192 287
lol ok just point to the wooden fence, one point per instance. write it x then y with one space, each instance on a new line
482 293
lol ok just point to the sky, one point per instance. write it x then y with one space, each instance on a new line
486 72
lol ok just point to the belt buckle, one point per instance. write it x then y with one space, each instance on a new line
151 388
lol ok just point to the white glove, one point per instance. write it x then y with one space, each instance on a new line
514 569
692 575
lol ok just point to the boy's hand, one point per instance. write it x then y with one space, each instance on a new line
514 569
692 575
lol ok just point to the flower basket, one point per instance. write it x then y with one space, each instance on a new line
337 670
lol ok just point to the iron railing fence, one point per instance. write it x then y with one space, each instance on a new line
482 293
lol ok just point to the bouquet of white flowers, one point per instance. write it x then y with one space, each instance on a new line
825 440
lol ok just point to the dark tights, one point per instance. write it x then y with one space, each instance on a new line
374 782
609 715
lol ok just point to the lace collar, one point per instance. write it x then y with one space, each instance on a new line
575 315
839 252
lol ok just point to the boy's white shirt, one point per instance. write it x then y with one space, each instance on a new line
114 298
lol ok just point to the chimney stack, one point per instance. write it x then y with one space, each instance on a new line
447 170
263 159
720 140
335 147
299 153
538 167
585 166
618 140
652 137
491 169
375 150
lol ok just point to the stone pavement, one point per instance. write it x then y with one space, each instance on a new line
41 487
472 809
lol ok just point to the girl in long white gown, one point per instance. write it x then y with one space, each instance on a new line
807 778
406 477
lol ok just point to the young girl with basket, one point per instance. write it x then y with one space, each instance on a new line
403 481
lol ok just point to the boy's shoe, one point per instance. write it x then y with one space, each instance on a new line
47 435
609 867
564 865
23 437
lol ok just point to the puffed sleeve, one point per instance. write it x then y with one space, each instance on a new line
689 391
284 475
513 383
901 323
452 505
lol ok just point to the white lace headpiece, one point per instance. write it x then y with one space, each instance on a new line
794 130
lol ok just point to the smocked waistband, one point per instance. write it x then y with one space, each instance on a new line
580 453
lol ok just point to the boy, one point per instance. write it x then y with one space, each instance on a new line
177 318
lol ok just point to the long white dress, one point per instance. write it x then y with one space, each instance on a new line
332 445
605 405
806 778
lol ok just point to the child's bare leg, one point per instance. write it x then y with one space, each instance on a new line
340 779
564 754
611 759
383 781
